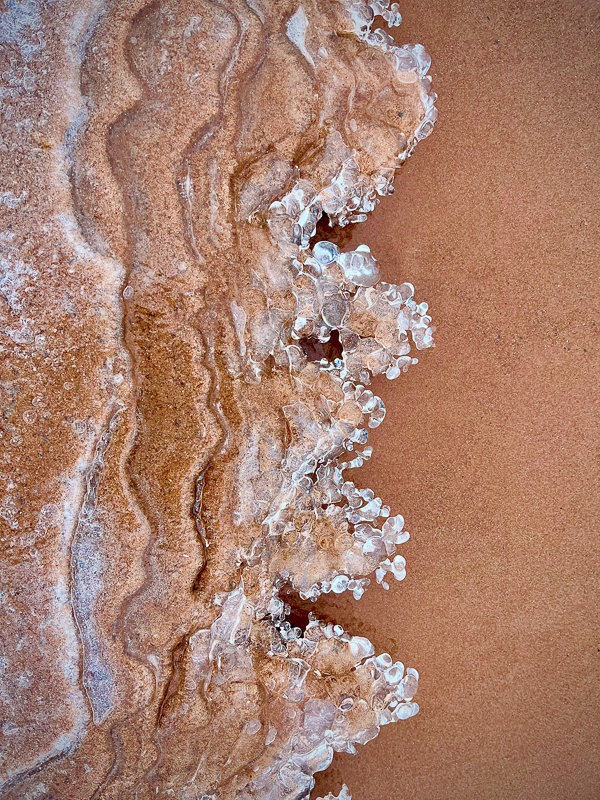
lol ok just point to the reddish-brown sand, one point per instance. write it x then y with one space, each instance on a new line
490 446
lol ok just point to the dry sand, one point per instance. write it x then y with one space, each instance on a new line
490 445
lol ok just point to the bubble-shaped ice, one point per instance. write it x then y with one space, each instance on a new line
360 267
325 252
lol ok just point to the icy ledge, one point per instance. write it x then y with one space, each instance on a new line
327 325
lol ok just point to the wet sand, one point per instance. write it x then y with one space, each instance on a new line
490 446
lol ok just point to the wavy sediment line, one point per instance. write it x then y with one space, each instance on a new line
137 465
86 580
88 174
76 587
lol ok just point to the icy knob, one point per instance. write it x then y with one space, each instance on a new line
360 267
325 252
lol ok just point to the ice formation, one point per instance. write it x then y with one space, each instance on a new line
325 325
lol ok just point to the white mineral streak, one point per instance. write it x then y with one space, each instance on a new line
296 32
320 533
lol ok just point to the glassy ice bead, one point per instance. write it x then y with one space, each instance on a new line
360 268
384 660
394 674
253 726
346 702
420 55
271 735
325 252
392 372
404 711
334 311
425 130
409 686
339 584
393 525
399 568
406 291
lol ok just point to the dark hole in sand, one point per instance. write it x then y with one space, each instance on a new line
327 608
315 350
327 233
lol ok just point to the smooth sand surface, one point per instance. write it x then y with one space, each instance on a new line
490 446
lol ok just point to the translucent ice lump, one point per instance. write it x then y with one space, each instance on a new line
343 795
